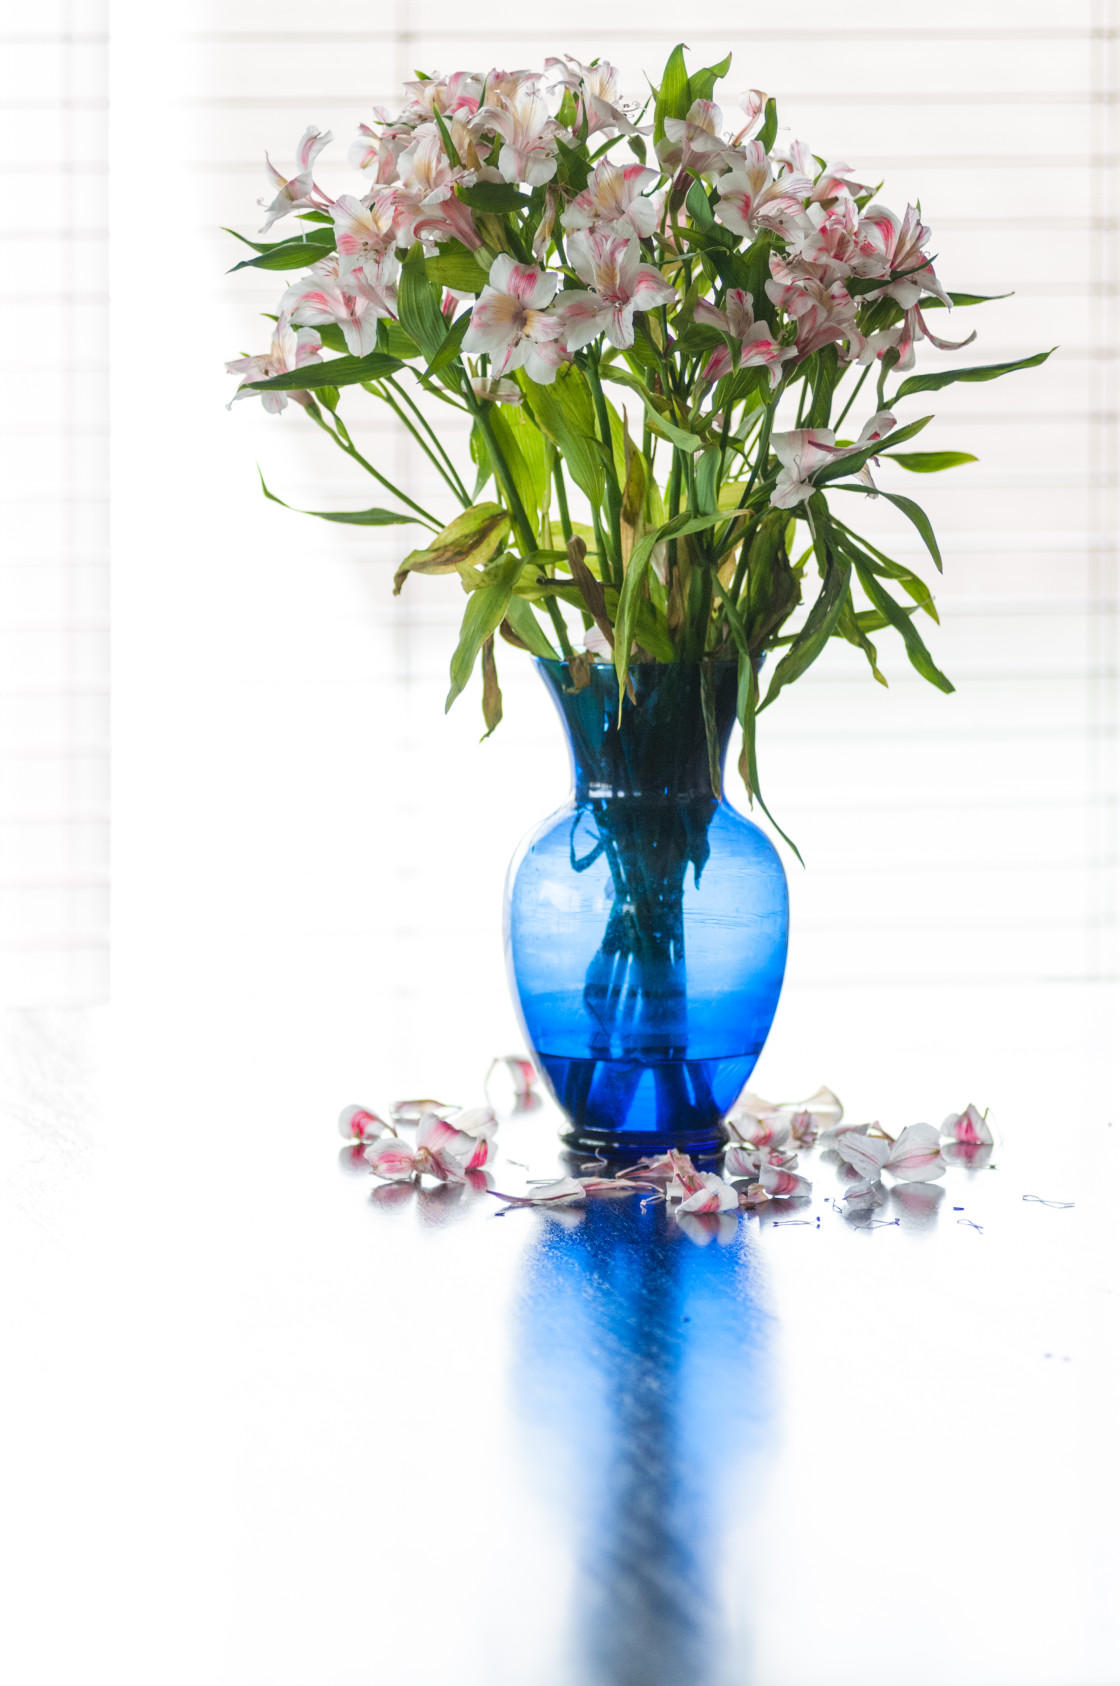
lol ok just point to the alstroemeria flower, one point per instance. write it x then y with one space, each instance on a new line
299 190
377 150
915 1156
363 228
969 1126
358 1124
527 132
903 337
753 1132
512 323
806 449
320 297
440 1150
699 1191
758 347
693 144
456 95
750 197
822 313
826 239
290 349
612 266
889 246
597 97
613 200
751 1118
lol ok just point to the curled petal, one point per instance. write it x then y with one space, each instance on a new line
713 1195
357 1124
783 1185
411 1112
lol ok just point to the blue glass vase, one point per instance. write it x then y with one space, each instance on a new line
646 921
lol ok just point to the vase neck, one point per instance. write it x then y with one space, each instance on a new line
658 749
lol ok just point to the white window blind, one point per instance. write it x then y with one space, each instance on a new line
54 674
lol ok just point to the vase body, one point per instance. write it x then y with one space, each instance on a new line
646 922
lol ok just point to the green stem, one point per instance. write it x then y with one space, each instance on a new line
562 499
433 435
343 441
457 490
501 469
854 396
614 499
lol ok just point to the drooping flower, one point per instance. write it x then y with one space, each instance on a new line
358 1124
298 191
753 106
806 449
758 347
528 134
377 150
290 349
512 322
750 197
969 1126
619 282
440 1150
613 200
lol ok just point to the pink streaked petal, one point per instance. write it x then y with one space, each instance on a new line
358 1124
969 1126
916 1155
865 1154
781 1184
741 1161
394 1160
412 1111
650 289
714 1195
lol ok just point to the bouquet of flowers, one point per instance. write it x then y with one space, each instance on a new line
652 318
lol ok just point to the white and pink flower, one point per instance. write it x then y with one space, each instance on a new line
806 449
750 197
521 121
595 86
694 145
359 1124
970 1126
512 322
619 283
291 348
355 305
614 200
758 348
299 191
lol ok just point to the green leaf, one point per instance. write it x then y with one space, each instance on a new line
456 269
836 573
853 463
748 759
484 614
348 517
450 348
961 300
522 446
913 511
324 238
565 413
338 371
669 430
288 254
707 478
469 541
673 98
931 462
418 304
920 657
850 627
528 628
711 730
983 372
825 374
702 82
767 135
496 196
391 337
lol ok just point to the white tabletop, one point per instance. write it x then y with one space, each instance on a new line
272 1422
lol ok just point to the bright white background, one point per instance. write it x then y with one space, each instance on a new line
308 858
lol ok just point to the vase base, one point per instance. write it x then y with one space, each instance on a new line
634 1144
639 1105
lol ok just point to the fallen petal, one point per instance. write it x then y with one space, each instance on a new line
358 1124
392 1159
865 1154
968 1126
864 1196
784 1185
411 1112
916 1155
